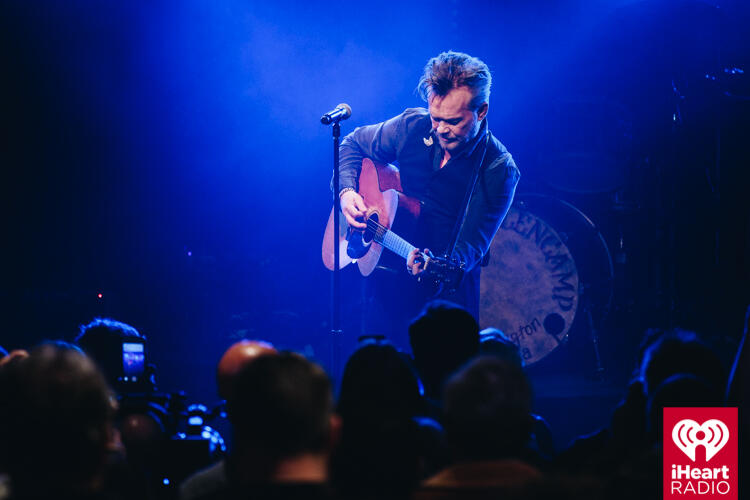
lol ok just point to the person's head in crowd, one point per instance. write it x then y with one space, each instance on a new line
378 382
17 354
62 344
103 340
680 351
283 418
493 342
234 359
378 455
56 423
487 410
680 390
443 337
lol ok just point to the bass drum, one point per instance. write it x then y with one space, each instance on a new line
549 269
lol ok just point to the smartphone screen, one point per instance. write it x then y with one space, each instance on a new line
133 361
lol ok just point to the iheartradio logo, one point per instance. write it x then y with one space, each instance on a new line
712 434
689 473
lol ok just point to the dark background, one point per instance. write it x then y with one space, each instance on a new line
169 156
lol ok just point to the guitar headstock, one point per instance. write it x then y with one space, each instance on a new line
444 272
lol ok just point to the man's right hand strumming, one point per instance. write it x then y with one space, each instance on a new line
354 209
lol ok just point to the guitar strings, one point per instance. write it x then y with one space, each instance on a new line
378 228
402 247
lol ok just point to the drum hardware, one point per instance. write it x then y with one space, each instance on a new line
594 337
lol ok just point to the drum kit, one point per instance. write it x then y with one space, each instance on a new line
550 274
549 269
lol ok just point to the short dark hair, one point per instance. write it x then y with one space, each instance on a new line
88 334
443 337
681 351
378 382
282 406
54 420
98 337
487 409
494 342
680 390
102 339
450 70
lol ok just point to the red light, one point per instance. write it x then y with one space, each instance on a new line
99 295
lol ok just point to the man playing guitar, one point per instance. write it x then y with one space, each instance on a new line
439 152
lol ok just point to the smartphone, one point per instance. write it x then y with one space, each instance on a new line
133 361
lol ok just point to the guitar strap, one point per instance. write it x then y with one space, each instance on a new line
467 198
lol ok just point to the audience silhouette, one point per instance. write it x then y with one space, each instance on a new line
284 430
233 361
56 424
455 421
443 337
386 445
488 422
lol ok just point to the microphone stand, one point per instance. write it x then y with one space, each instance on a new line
336 331
341 112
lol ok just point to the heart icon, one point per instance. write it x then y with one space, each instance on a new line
712 434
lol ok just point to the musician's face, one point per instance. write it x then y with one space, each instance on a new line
454 122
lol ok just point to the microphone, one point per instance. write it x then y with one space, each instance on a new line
342 112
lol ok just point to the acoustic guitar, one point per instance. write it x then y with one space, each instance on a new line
380 187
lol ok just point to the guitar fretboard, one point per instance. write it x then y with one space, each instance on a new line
391 240
441 272
396 244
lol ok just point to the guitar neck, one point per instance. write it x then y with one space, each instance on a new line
393 242
441 272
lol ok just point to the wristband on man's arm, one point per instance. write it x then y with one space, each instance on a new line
345 190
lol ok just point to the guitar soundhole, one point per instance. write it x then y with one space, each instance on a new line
368 233
359 241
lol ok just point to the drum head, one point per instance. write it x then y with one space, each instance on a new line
531 288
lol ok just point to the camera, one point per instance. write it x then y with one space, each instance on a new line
161 433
